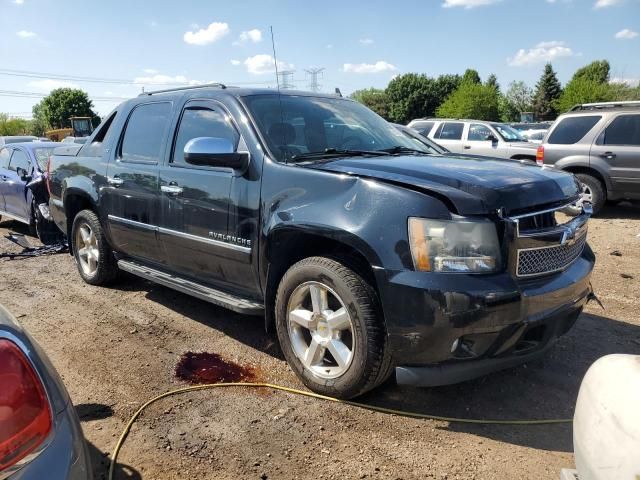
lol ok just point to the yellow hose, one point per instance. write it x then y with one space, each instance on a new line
125 432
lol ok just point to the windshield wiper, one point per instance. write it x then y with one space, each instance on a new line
401 149
334 152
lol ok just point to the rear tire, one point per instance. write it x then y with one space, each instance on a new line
593 189
91 251
330 328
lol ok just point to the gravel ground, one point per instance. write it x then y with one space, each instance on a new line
116 347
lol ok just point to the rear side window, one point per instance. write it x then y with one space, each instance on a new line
18 160
423 127
5 155
95 148
202 122
572 129
145 133
450 131
624 130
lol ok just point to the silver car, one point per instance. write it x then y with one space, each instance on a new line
40 434
477 137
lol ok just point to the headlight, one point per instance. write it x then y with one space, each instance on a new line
454 245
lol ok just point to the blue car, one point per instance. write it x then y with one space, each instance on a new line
23 192
40 433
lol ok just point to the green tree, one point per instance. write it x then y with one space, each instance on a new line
471 100
60 105
471 76
13 126
548 91
415 95
492 81
597 71
374 98
583 90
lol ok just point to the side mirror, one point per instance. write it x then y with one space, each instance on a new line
214 152
492 138
23 174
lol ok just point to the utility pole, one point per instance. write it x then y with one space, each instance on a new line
314 73
286 78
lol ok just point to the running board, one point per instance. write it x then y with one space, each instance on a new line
222 299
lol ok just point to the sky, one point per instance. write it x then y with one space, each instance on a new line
123 47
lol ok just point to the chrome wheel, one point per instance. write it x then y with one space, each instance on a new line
86 245
320 329
587 195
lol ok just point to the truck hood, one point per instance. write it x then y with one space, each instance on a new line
474 186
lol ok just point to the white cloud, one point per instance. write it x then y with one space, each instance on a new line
263 63
379 66
366 41
159 79
606 3
235 63
49 84
150 71
25 34
18 2
253 36
468 3
329 46
632 82
626 34
542 52
215 31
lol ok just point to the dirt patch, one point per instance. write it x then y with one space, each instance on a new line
117 347
204 367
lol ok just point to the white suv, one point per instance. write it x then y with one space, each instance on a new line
476 137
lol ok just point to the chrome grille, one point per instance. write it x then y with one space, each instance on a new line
537 261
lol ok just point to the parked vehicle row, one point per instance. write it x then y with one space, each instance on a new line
600 143
23 190
368 254
476 137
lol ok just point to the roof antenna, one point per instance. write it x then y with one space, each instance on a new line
275 64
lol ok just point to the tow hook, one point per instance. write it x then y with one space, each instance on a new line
594 297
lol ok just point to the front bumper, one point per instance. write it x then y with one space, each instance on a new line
448 328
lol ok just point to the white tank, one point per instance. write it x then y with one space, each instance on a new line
606 424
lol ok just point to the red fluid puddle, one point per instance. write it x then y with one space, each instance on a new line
198 368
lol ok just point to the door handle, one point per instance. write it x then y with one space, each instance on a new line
171 189
115 181
467 147
608 155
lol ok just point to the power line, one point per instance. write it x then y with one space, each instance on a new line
286 79
20 94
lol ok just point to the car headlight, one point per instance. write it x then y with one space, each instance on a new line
461 246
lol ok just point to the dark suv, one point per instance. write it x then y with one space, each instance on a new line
366 253
600 143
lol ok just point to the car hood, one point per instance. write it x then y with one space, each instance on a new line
473 185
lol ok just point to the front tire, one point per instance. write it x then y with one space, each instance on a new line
330 328
92 252
592 191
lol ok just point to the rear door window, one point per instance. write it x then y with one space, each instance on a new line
145 133
451 131
5 155
571 130
624 130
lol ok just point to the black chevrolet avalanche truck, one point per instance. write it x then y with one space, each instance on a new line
367 254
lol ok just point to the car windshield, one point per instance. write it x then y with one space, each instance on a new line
295 127
508 134
42 156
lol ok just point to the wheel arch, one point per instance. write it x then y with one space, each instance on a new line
575 169
287 246
74 202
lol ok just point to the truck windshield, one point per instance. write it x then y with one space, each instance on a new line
296 126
